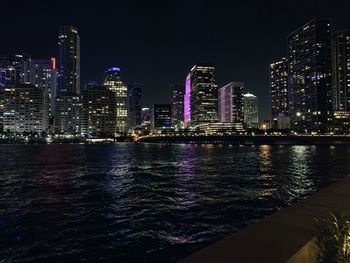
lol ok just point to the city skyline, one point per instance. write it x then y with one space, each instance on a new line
240 48
175 131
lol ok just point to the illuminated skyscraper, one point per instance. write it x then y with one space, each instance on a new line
8 77
160 117
251 110
67 103
203 95
187 99
134 104
24 63
68 61
177 96
310 92
341 80
99 111
15 70
146 119
24 109
230 102
279 93
43 76
341 70
67 118
1 110
113 81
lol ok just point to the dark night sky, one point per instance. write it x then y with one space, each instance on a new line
157 42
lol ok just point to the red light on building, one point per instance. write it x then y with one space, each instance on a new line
53 63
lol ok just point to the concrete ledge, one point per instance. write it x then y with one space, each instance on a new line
307 253
282 236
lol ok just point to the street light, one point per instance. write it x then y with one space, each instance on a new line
264 128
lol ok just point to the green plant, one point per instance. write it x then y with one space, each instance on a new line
333 239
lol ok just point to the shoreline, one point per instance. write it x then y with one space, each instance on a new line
252 140
287 140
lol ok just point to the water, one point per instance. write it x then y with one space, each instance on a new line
144 202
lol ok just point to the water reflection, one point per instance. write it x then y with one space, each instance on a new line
145 202
266 176
299 170
188 165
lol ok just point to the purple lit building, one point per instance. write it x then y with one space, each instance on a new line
187 100
201 98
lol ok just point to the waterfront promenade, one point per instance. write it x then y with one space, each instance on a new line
251 139
198 139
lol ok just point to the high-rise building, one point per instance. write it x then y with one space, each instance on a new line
15 70
112 80
177 96
230 102
341 80
341 70
24 109
203 106
68 65
251 110
146 119
99 111
67 118
145 116
310 92
187 99
24 63
1 110
43 76
279 94
8 77
134 104
160 117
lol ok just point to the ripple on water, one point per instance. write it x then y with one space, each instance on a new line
146 203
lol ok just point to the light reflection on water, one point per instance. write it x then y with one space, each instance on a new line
187 180
266 176
147 202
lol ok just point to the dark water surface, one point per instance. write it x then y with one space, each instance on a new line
144 202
